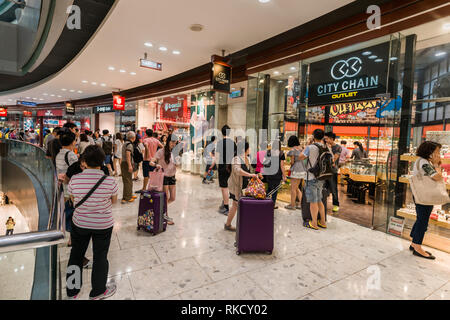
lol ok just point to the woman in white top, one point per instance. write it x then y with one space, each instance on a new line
428 164
84 142
118 144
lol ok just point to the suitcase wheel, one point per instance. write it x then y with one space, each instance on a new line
235 244
238 253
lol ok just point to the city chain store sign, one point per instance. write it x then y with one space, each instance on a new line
70 108
221 77
355 76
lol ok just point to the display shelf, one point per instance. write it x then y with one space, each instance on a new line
405 157
407 215
362 178
406 180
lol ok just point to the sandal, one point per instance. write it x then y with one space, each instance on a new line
321 225
289 207
229 228
310 226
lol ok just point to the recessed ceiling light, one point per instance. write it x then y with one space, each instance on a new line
264 1
72 90
64 89
28 98
52 95
148 44
379 60
373 57
446 26
41 99
93 83
111 68
79 91
394 58
85 81
441 53
196 27
276 72
293 68
103 85
366 53
163 48
34 98
133 73
59 96
176 52
122 71
45 94
10 100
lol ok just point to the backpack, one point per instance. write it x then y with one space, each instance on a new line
323 169
137 155
107 146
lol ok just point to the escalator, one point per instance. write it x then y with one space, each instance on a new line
29 259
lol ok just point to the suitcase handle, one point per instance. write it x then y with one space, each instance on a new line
271 193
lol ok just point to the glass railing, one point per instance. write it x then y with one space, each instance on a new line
29 261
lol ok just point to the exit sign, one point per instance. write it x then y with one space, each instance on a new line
151 64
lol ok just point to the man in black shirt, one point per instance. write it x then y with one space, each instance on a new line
225 152
330 139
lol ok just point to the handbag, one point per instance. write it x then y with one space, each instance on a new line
426 191
156 180
255 189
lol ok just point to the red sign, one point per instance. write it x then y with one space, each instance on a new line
27 113
174 107
119 103
3 112
50 113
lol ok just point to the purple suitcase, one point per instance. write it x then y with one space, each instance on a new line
255 222
152 208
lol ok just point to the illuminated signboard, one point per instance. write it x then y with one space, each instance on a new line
174 107
119 103
151 64
103 109
70 108
27 103
221 77
356 76
237 93
3 112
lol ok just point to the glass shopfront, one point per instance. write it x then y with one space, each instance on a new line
362 94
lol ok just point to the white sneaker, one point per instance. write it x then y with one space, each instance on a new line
110 291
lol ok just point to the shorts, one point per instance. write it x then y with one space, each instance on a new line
313 191
233 197
147 168
170 181
108 159
298 175
224 175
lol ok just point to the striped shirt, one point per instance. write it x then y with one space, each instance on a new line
96 212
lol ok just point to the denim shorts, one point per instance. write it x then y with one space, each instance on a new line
108 159
313 191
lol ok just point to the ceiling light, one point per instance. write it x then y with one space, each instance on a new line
394 58
293 68
93 83
163 48
52 95
111 68
85 81
366 53
79 91
133 73
196 27
176 52
379 60
276 73
148 44
45 94
440 53
28 98
72 90
41 99
10 99
373 57
446 26
64 89
34 98
103 85
59 96
122 71
264 1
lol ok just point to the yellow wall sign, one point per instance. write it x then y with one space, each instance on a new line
341 109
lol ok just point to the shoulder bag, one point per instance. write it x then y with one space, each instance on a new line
426 191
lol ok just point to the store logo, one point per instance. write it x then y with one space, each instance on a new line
346 68
222 75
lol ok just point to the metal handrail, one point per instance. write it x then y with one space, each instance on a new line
55 233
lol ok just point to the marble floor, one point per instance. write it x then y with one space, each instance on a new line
16 268
196 259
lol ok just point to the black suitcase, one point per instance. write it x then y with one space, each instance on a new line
306 213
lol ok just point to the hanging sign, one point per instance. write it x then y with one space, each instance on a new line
221 77
355 76
3 112
119 102
27 113
26 103
144 63
103 109
70 108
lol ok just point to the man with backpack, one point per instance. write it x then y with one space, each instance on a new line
127 168
107 146
319 168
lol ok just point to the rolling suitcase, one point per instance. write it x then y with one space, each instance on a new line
152 209
255 220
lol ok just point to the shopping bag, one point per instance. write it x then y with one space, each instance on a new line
255 189
156 180
426 191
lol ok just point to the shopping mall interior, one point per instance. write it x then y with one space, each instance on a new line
373 74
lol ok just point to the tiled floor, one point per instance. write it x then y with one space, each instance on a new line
196 259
